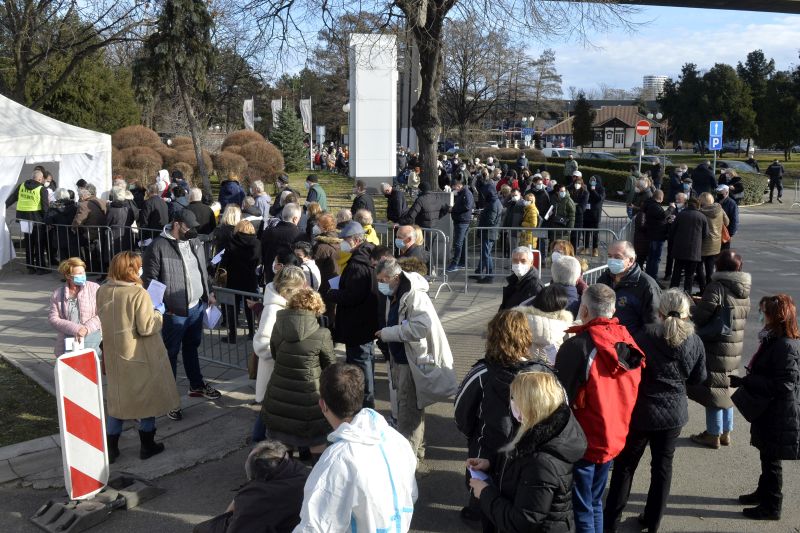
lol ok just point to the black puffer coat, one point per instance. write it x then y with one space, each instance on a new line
356 303
534 489
242 256
425 211
661 403
302 350
775 374
733 290
517 290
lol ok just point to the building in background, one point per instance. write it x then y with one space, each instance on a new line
653 86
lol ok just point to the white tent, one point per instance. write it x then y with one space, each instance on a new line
30 138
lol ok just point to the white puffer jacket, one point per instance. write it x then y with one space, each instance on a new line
548 329
273 302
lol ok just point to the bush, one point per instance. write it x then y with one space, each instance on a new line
266 153
168 155
258 170
130 174
234 149
130 136
228 164
186 155
182 143
241 137
145 163
116 157
185 168
127 153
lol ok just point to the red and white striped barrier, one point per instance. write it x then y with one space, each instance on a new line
82 419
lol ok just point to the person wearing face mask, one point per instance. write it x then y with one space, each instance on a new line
512 218
489 219
461 213
357 306
530 219
687 187
406 246
593 214
138 386
533 492
563 215
602 402
396 202
280 237
703 178
731 209
417 342
676 182
543 202
73 307
672 212
580 197
687 234
177 259
637 293
524 283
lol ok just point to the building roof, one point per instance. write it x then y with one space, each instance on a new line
627 114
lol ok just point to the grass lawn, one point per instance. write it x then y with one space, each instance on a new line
27 411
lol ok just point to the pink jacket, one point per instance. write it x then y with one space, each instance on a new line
87 310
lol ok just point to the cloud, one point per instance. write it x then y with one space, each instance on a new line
620 60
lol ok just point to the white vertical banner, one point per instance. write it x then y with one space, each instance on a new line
248 112
305 113
277 105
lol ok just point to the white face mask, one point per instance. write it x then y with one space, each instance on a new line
520 269
578 186
275 268
315 230
515 412
555 256
141 272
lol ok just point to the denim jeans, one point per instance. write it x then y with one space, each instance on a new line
459 243
114 425
486 264
587 495
654 258
362 356
719 421
185 332
259 429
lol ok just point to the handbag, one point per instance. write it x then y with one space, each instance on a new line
726 235
750 405
221 278
560 222
718 329
252 365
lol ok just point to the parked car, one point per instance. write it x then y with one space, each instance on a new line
606 156
650 159
649 148
738 166
560 152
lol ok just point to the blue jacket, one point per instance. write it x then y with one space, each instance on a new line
463 204
732 210
638 296
230 192
492 211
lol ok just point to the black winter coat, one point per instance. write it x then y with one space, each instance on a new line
703 179
580 197
222 237
356 303
687 233
242 256
638 296
662 403
62 213
463 205
154 215
205 217
655 217
774 377
517 290
396 205
534 489
120 216
424 212
542 198
482 411
279 237
363 201
592 216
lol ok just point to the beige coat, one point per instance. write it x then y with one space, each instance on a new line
716 219
138 375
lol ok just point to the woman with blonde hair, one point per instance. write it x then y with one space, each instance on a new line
139 378
241 258
481 406
288 280
73 307
302 350
533 491
313 212
675 358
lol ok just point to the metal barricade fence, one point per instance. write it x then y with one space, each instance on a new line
230 342
488 249
593 274
436 243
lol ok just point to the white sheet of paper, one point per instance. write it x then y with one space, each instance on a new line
156 291
145 243
549 213
334 282
26 226
478 474
211 316
217 258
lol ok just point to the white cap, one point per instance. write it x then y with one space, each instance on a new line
577 174
722 188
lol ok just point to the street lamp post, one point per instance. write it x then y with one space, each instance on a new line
657 116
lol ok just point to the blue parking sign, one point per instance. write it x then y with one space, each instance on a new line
715 135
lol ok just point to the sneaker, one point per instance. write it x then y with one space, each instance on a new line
206 391
453 268
175 414
779 200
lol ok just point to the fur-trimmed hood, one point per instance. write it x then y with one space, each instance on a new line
563 314
737 282
329 238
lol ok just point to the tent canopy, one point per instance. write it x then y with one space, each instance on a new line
32 138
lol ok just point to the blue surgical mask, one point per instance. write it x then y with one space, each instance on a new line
385 289
399 244
562 194
616 266
761 317
345 246
79 279
686 186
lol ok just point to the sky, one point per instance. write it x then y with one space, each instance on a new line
672 37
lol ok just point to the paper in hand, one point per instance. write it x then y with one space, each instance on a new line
156 291
549 213
217 258
334 282
211 316
478 474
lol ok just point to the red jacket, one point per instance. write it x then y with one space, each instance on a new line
601 368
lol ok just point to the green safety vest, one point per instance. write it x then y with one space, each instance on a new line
29 200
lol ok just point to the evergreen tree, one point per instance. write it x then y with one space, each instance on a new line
582 120
289 137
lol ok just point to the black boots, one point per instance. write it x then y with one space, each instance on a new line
149 446
112 442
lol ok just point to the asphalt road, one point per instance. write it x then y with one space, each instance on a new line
705 484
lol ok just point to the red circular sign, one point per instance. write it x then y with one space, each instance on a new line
643 127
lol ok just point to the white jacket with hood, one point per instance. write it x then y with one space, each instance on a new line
427 350
548 330
273 302
364 482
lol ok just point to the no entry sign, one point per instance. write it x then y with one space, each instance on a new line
643 127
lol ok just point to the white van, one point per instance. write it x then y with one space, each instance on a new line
559 152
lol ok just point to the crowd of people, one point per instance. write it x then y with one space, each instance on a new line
575 377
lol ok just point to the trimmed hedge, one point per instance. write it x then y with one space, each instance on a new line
130 136
241 137
185 168
186 155
510 154
228 164
182 143
169 155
